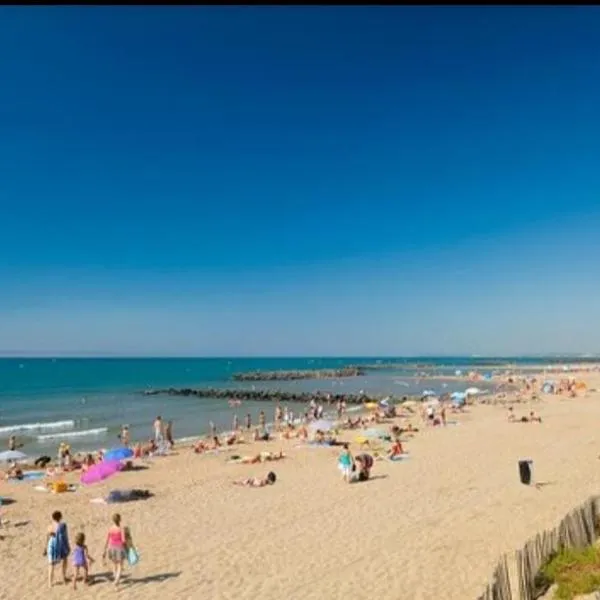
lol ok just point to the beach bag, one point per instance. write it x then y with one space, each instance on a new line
132 556
59 487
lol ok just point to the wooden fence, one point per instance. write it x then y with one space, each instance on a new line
577 530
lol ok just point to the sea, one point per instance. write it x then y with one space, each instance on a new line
85 401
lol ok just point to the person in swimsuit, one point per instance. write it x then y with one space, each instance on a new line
257 481
346 464
169 434
81 560
396 451
158 430
57 546
115 548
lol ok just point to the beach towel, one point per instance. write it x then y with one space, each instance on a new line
399 458
58 545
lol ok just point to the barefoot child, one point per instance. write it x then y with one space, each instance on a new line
81 560
57 547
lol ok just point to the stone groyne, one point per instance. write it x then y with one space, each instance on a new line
265 395
298 374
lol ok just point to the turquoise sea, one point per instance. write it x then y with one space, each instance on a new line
85 400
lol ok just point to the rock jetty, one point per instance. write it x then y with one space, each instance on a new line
264 395
298 374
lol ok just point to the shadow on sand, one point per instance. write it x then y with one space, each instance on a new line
372 478
127 580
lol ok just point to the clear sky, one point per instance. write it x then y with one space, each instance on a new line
300 181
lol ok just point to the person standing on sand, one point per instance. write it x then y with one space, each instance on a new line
278 414
124 437
169 434
57 547
261 419
115 548
346 463
158 430
248 421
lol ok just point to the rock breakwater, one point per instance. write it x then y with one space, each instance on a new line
265 395
298 374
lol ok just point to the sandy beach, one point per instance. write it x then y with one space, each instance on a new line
430 527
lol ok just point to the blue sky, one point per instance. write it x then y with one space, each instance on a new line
293 180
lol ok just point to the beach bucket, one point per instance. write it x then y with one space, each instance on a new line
525 469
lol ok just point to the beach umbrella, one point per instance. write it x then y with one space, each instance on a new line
100 472
472 391
427 393
118 454
458 398
322 425
12 455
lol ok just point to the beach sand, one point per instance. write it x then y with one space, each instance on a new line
433 526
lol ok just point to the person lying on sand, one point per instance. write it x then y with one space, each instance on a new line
257 481
533 418
262 457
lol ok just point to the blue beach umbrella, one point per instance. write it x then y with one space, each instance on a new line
118 454
458 398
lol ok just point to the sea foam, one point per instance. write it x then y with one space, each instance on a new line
10 429
72 434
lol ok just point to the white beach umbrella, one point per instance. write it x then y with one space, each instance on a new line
472 391
321 425
12 455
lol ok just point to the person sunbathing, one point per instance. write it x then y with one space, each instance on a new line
231 439
319 437
257 481
200 446
289 433
262 457
353 424
14 472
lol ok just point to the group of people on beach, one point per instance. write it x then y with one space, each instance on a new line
118 549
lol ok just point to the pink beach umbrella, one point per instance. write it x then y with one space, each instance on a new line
100 472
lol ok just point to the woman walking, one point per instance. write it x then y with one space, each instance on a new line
115 547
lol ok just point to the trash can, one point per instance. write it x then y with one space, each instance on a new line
525 468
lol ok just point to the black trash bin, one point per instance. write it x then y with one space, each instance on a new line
525 471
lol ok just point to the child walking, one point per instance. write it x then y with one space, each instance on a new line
81 560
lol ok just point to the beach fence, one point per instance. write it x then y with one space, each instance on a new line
499 588
578 529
